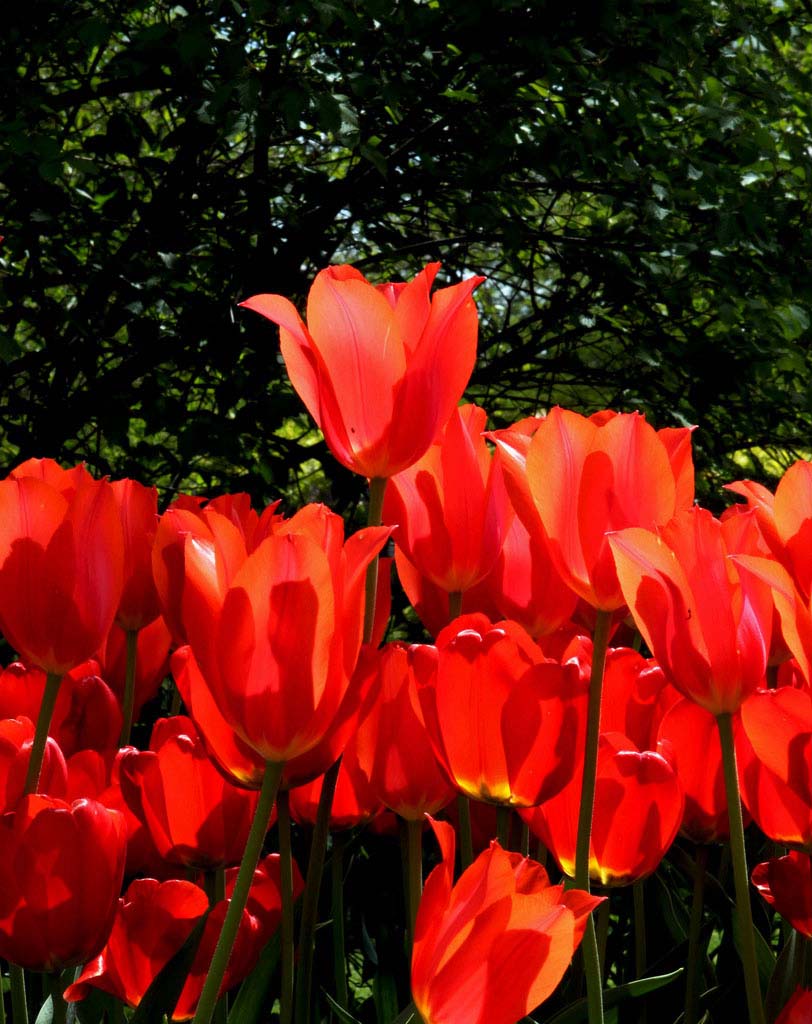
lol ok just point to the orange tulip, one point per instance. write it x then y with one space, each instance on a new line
707 624
277 641
520 737
580 477
379 369
496 944
451 507
393 746
638 811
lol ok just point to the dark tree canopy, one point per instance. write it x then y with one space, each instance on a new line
634 179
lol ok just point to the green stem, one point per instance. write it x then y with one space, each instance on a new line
286 884
592 969
466 840
218 892
524 838
46 713
337 899
692 967
310 897
19 1005
454 605
640 944
377 489
129 688
503 826
592 965
58 1005
239 896
414 870
599 645
640 954
747 949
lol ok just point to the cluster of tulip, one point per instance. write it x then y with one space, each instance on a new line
523 561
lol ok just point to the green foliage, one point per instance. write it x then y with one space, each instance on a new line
633 178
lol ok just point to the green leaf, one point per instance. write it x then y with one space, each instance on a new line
251 1003
577 1011
339 1011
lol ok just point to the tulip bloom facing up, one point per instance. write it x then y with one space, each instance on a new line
379 369
496 944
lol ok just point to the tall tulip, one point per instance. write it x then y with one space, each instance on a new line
379 369
708 624
451 507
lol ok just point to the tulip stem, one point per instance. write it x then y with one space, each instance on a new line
600 642
337 901
286 885
454 605
599 645
692 972
128 705
640 950
46 713
503 826
466 840
58 1007
377 489
239 896
19 1005
747 948
414 870
310 898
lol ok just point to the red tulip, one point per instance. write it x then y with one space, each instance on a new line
138 508
393 745
194 816
61 867
16 738
707 624
278 642
61 570
354 802
797 1009
586 477
151 661
86 713
638 811
451 507
496 944
379 369
519 738
776 763
693 736
786 884
154 919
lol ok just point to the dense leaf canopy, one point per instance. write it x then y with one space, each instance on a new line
634 180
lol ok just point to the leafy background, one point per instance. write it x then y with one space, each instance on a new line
633 178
